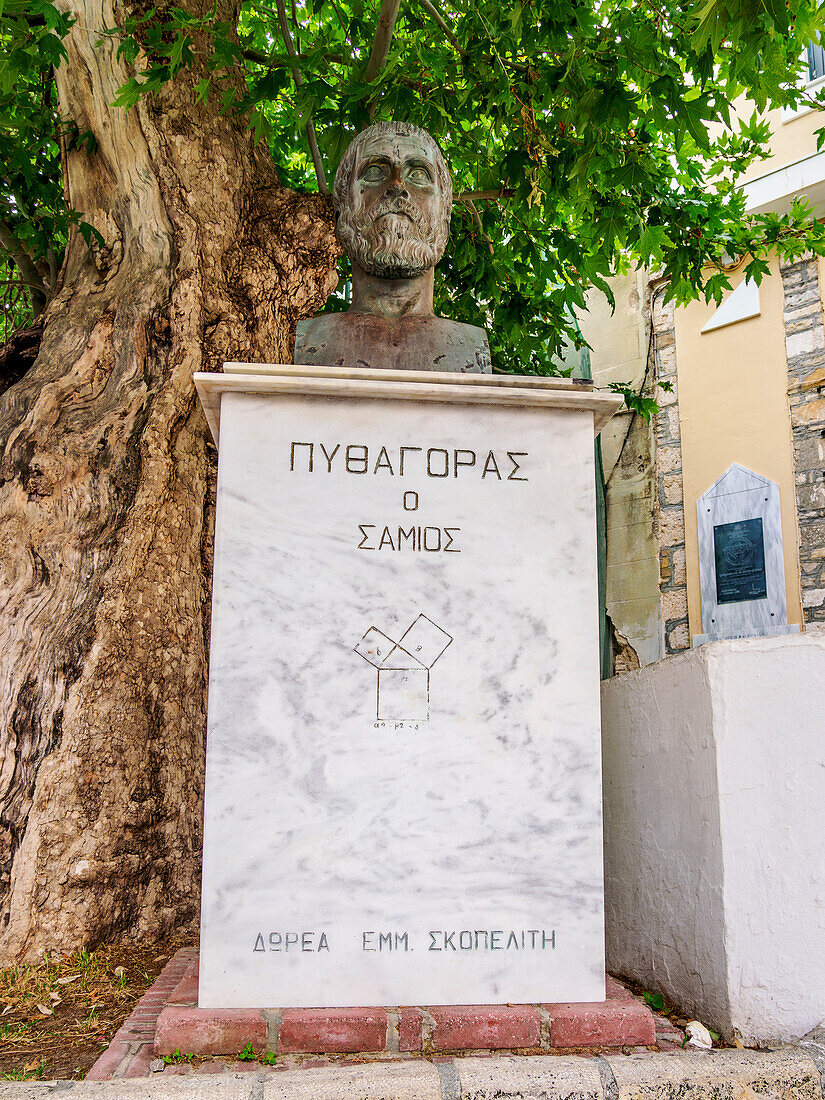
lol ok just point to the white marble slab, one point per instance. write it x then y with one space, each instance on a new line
403 792
408 385
733 515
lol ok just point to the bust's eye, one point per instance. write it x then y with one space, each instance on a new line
419 175
374 174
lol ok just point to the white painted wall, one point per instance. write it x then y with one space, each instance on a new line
714 766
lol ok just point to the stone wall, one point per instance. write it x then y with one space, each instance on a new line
619 340
633 601
805 350
670 507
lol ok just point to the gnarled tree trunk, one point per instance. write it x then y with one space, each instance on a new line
105 499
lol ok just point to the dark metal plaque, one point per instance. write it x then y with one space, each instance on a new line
739 549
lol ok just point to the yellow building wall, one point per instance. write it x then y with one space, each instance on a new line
733 407
791 140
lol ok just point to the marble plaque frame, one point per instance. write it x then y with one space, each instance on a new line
741 494
450 852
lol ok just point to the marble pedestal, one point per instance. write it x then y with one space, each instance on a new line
403 786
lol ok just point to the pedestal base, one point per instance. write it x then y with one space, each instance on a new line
619 1021
403 783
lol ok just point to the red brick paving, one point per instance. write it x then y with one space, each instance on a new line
132 1044
332 1030
166 1019
209 1030
610 1024
485 1027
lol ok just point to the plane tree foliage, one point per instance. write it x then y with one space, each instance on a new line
583 135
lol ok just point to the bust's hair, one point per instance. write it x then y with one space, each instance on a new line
343 177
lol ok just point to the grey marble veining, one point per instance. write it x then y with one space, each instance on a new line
737 499
397 823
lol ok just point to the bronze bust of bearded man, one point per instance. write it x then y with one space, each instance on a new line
393 199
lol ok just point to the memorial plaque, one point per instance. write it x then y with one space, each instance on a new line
739 550
403 791
741 564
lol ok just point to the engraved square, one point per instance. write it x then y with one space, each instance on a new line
375 646
425 641
403 694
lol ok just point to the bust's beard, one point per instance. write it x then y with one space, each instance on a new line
395 249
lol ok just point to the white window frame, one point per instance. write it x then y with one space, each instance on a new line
790 113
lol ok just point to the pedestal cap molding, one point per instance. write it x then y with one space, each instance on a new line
451 388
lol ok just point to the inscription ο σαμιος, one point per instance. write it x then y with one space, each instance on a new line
431 540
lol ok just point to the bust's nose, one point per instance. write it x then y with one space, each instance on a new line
395 184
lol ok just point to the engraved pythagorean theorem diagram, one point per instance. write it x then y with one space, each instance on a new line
403 692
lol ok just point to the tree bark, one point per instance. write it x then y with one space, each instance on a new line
106 490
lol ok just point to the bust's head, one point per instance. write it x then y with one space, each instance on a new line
393 198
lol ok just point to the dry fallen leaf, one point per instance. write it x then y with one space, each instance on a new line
55 1000
46 1010
120 971
66 980
30 1066
8 1008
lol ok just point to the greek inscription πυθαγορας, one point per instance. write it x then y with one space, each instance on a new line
407 461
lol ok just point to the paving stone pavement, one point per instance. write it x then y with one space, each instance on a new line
791 1073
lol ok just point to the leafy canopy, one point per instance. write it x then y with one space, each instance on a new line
583 135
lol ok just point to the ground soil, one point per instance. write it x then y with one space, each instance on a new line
59 1015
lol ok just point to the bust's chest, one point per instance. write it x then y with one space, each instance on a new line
410 344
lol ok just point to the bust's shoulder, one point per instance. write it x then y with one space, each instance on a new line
323 322
313 336
474 332
465 342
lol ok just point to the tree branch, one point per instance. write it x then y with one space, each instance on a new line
25 264
257 56
20 283
341 21
295 27
516 65
470 205
481 196
298 78
260 58
432 10
383 37
438 17
52 258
